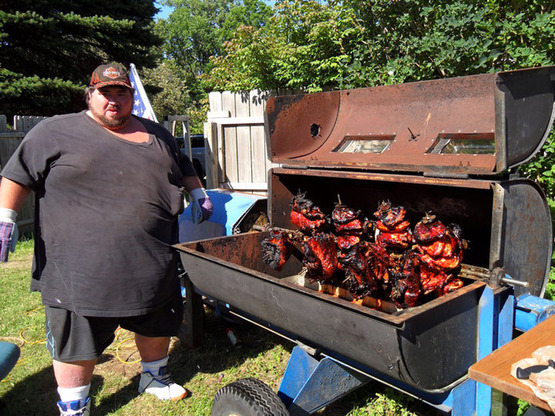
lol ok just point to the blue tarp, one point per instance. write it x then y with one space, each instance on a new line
229 209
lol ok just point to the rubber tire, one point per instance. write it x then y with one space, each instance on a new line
247 397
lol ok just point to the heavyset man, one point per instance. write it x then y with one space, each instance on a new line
108 188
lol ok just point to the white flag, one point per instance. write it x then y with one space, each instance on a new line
141 104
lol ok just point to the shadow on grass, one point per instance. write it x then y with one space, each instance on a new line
217 354
39 390
258 357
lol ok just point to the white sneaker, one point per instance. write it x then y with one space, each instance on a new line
75 407
161 386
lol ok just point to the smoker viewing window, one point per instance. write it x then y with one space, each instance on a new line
464 143
365 144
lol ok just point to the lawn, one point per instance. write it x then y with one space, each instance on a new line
30 388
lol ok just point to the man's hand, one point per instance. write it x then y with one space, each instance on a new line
8 232
201 205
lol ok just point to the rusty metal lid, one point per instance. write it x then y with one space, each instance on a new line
472 125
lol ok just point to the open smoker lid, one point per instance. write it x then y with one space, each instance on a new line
472 125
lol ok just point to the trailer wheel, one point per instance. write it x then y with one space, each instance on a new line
247 397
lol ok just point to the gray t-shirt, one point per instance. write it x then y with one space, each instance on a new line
106 215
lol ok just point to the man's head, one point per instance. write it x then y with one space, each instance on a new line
110 96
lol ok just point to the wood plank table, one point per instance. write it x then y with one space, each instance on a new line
494 370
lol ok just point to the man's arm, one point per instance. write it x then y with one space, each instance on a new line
12 196
191 182
201 206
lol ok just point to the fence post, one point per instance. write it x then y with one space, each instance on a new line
212 165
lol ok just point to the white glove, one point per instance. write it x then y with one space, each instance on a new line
8 232
201 205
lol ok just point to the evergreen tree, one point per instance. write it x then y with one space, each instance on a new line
49 48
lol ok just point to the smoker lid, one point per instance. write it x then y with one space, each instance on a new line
479 124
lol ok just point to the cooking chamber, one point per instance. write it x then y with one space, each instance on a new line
451 201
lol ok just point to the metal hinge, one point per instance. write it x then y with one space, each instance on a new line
303 167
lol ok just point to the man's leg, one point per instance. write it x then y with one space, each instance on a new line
75 343
154 377
152 348
74 383
73 374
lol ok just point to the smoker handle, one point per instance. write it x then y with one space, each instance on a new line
510 281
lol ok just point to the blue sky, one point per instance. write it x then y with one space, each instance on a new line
164 12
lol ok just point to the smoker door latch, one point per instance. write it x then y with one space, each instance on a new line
500 278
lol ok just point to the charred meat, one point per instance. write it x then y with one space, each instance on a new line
346 220
306 215
440 249
320 256
385 258
276 249
392 229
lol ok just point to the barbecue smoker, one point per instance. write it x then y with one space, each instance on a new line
445 146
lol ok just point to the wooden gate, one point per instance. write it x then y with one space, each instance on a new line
236 152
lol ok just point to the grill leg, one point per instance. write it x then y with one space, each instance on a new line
495 329
191 332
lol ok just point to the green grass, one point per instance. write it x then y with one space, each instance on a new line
203 370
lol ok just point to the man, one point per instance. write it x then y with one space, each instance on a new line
108 188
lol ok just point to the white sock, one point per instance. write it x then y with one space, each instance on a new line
74 393
153 367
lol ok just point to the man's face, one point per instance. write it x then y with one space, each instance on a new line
111 106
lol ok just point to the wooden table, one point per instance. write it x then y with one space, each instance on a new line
495 369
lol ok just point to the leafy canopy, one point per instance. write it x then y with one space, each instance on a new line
197 29
315 45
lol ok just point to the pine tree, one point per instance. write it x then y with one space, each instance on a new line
49 48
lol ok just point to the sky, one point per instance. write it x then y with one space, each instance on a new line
164 12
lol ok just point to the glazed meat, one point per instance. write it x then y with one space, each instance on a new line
346 220
440 250
276 249
428 229
401 239
392 229
306 215
320 256
385 258
439 246
390 218
347 242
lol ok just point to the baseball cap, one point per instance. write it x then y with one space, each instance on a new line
105 75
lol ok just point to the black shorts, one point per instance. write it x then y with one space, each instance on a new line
71 337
